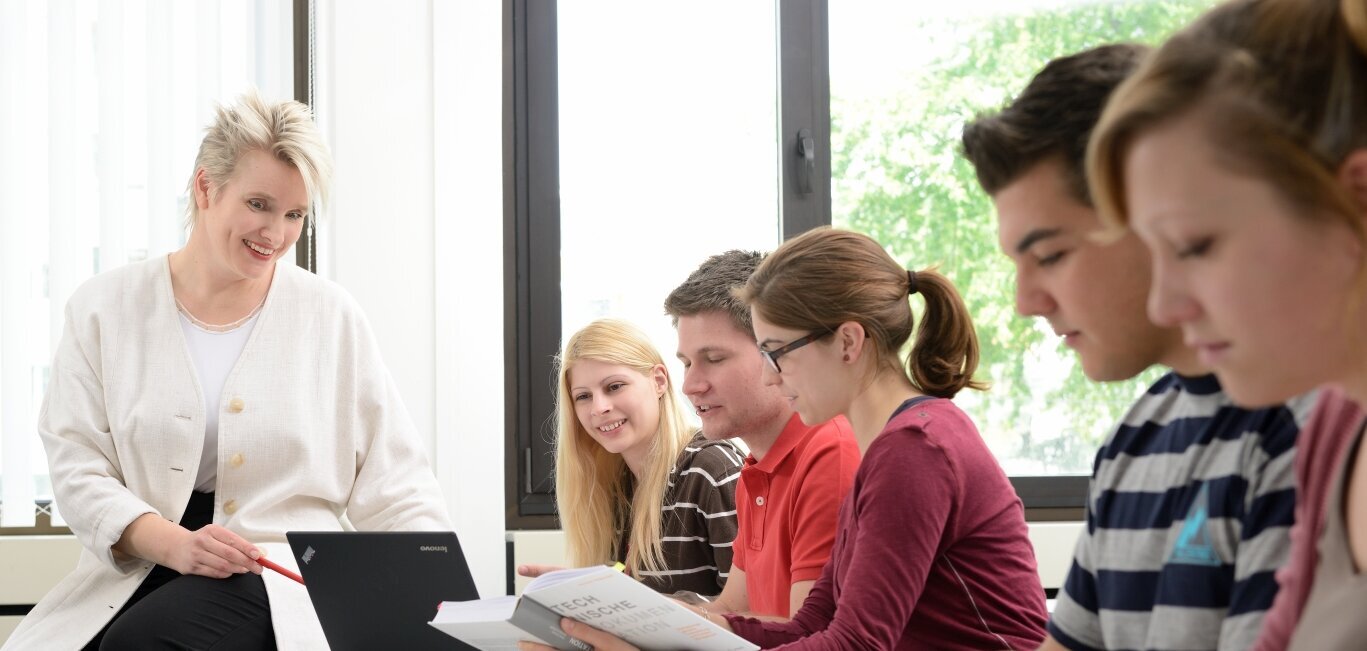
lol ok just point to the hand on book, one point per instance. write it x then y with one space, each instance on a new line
711 616
533 571
621 614
601 641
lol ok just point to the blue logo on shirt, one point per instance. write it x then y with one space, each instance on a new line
1193 543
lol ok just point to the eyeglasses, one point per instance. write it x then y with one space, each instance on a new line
772 356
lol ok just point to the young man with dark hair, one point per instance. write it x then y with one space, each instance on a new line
1191 497
796 476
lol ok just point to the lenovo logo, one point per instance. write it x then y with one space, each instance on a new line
308 555
433 548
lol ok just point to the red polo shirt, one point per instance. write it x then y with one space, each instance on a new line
786 505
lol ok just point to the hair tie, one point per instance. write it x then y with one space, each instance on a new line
911 282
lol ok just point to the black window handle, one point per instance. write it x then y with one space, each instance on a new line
806 167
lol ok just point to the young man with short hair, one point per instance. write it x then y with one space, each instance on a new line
1191 497
796 476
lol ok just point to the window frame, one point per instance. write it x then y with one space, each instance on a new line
305 250
532 217
531 165
531 270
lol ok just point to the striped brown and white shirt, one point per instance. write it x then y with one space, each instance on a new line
698 523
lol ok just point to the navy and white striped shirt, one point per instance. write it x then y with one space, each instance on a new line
1188 512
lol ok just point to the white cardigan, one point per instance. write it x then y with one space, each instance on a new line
310 427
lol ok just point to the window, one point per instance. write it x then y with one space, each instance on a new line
629 143
636 151
105 101
904 79
616 130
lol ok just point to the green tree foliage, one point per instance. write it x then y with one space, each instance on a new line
898 177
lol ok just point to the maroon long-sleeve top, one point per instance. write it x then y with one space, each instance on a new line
931 550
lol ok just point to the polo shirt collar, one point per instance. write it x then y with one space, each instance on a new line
787 441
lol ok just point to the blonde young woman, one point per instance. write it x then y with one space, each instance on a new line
634 483
203 403
1239 155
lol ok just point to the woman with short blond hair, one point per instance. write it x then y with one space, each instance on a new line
203 403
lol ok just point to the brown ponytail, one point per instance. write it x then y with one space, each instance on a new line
826 277
945 355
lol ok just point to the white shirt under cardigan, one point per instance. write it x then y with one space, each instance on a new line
311 426
215 354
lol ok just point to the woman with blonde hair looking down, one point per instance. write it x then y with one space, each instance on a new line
1238 153
634 483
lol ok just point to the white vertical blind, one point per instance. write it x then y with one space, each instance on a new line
102 106
14 368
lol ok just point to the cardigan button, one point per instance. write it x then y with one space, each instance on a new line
230 507
759 501
236 460
236 405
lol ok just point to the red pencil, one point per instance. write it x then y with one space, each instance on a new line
273 566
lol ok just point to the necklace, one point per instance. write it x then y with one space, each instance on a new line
219 328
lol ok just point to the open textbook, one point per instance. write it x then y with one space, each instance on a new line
598 596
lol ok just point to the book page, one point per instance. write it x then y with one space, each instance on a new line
560 576
486 636
609 600
483 623
476 610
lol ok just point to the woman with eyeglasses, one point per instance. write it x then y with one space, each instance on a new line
931 548
634 483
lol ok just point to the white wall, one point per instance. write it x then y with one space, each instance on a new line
410 98
468 244
1053 543
30 566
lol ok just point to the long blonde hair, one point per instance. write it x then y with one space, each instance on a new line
590 482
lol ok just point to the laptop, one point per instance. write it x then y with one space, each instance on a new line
378 590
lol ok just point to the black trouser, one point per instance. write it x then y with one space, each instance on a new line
174 611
